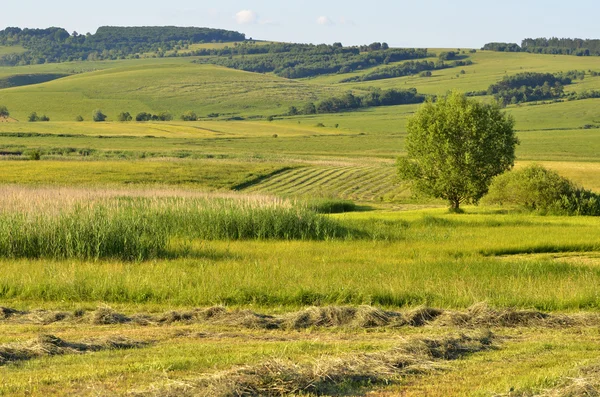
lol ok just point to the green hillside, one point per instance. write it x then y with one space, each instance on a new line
173 87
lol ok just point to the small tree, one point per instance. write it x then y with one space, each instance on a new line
4 112
97 115
79 118
189 116
33 117
165 116
124 116
456 146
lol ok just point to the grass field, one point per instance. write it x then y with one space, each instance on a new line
187 258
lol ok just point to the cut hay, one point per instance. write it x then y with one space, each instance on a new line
477 316
50 345
332 375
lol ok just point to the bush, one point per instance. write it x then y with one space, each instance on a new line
4 111
189 116
124 116
35 154
79 118
44 118
98 116
33 117
536 188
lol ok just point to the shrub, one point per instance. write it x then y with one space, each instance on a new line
35 154
33 117
79 118
98 116
124 116
189 116
44 118
536 188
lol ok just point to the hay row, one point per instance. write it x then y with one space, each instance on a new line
50 345
477 316
330 375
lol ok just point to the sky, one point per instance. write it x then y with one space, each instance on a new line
416 23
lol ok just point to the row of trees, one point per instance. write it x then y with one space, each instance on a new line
109 42
529 86
349 101
308 60
553 45
409 68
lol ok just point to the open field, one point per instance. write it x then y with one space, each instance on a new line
202 258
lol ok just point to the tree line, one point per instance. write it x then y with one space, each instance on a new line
350 101
409 68
57 45
295 61
553 45
529 86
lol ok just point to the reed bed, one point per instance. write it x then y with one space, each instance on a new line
110 225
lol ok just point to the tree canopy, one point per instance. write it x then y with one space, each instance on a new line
456 146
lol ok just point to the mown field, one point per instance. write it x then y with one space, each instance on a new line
239 256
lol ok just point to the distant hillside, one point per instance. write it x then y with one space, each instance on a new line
109 42
553 45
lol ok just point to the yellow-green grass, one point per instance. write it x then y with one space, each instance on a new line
202 174
528 361
167 87
6 50
361 183
409 259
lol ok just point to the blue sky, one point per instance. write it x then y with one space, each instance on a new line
433 23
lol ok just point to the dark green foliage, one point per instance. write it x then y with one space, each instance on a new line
295 61
455 147
163 116
536 188
79 118
57 45
35 154
502 47
529 86
4 111
331 206
33 117
375 97
98 116
124 116
553 45
406 69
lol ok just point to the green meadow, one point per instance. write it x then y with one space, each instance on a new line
242 254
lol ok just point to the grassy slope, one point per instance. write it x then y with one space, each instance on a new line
155 88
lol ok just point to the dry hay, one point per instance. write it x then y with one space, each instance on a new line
477 316
50 345
332 375
483 315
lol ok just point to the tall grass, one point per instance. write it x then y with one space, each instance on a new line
139 228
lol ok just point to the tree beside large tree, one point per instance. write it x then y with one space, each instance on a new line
455 146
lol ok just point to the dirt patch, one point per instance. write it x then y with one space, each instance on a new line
8 120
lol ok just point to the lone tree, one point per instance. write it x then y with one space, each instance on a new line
456 146
97 115
4 113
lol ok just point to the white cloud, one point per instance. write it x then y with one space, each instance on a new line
324 21
246 17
